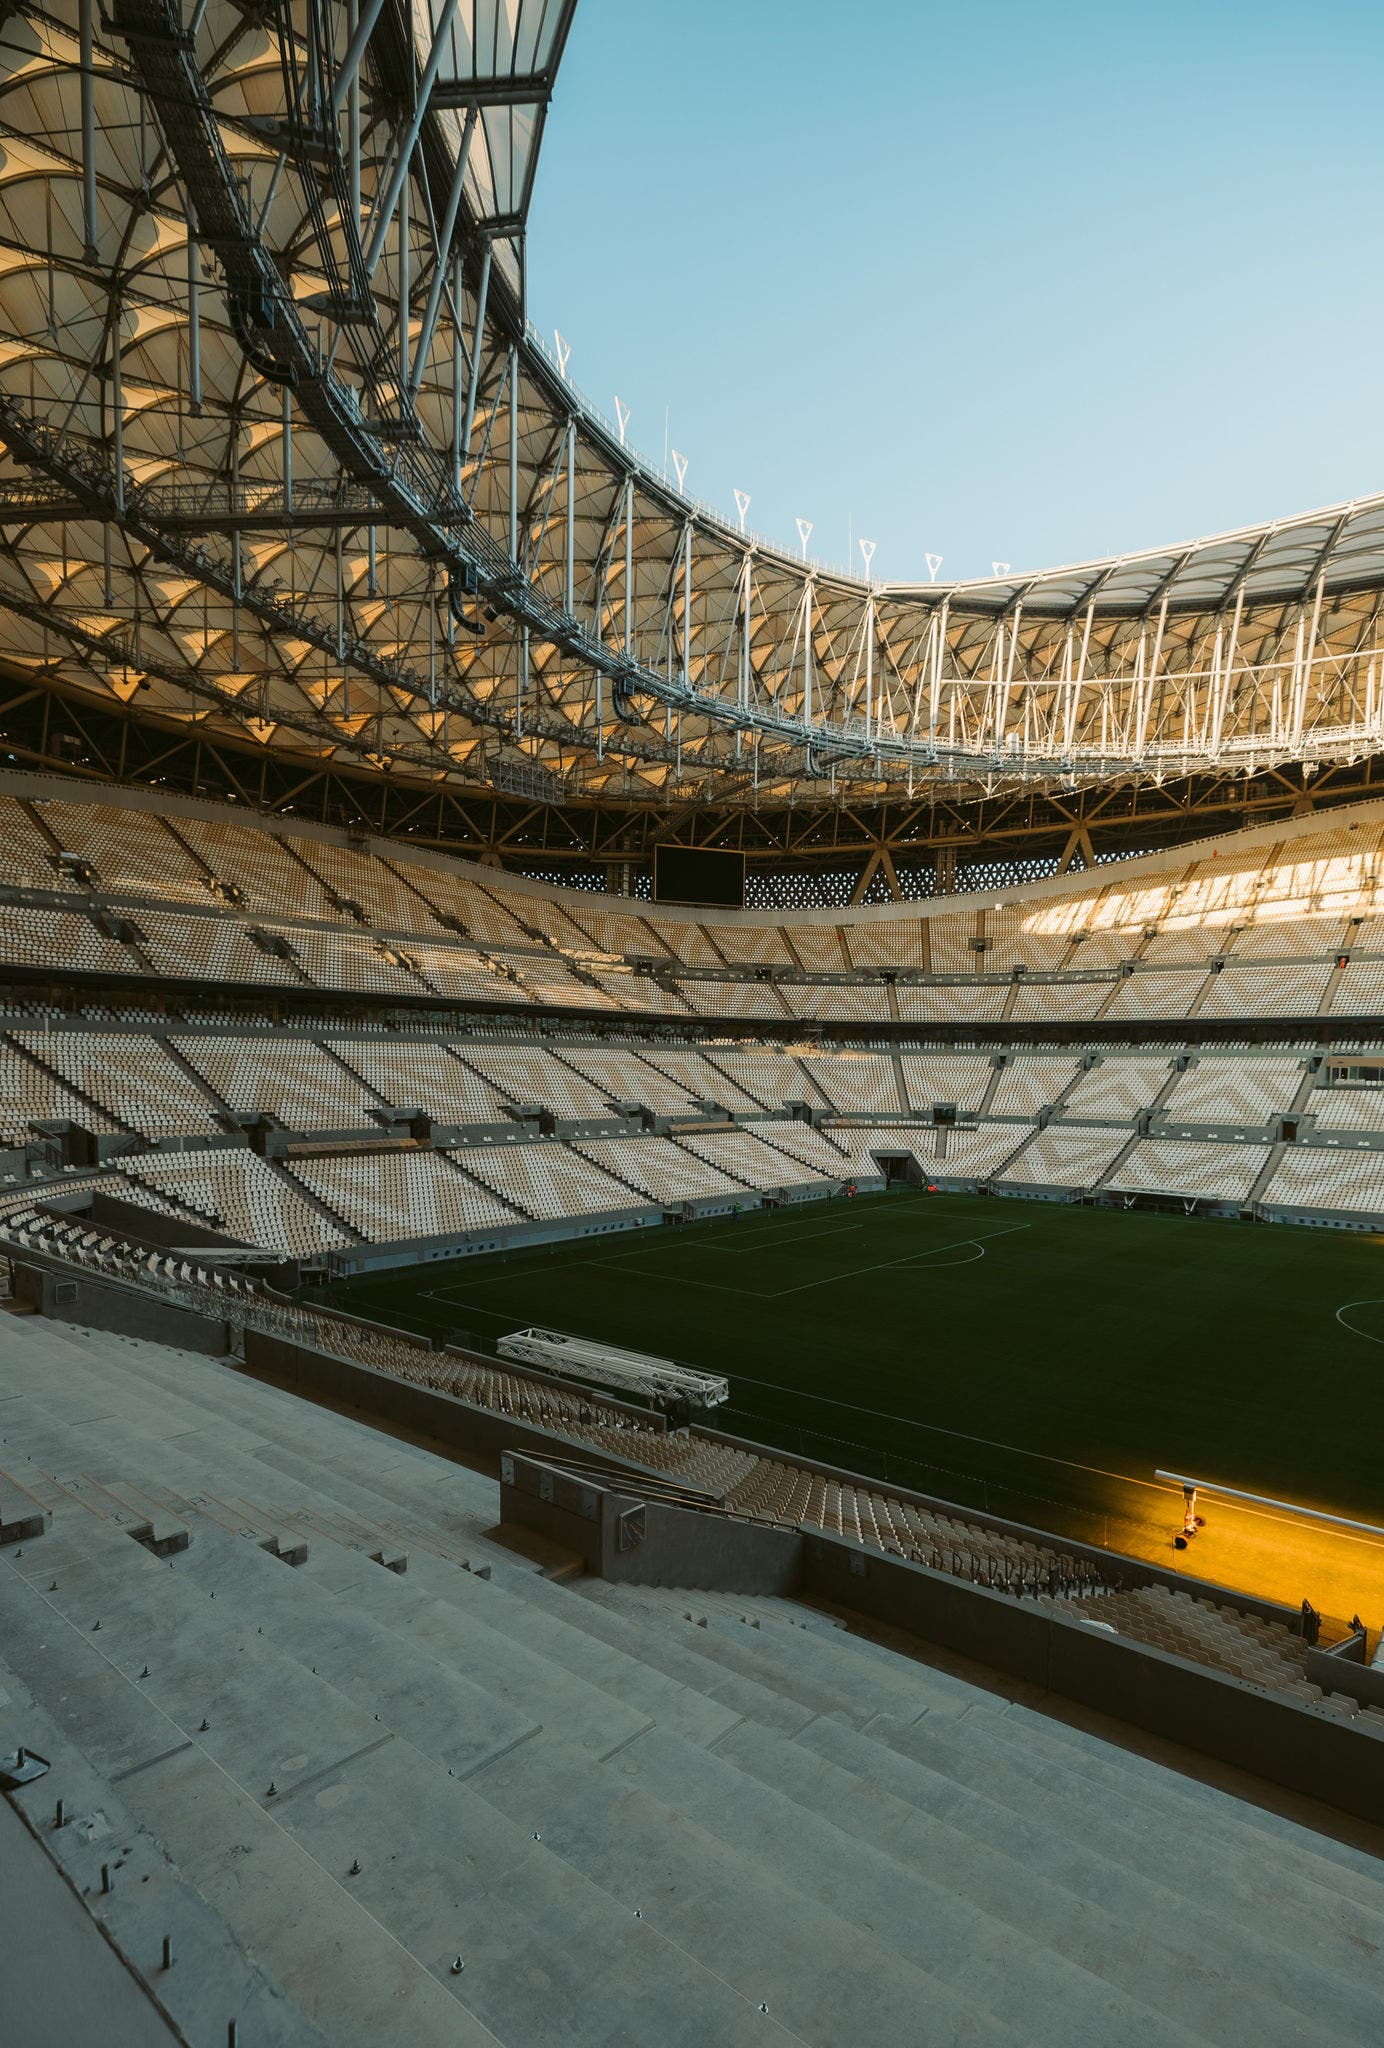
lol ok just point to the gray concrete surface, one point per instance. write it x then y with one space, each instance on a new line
634 1813
60 1983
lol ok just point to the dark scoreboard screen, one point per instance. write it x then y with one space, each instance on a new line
685 874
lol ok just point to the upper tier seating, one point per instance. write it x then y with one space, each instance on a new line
1015 939
1318 1179
930 1078
132 853
1065 1157
1224 1173
335 875
1278 905
523 1077
750 945
1030 1083
27 860
388 1196
29 1096
1346 1108
546 1180
1221 1089
452 895
895 942
658 1169
297 1083
240 1194
256 863
857 1083
1118 1089
820 952
417 1075
135 1079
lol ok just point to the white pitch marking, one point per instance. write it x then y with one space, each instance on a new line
884 1264
1370 1301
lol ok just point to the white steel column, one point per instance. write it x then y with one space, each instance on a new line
87 57
569 589
687 603
513 453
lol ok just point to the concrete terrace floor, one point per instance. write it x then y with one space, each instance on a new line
632 1815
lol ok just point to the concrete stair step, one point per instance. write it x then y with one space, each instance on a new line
346 1972
1057 1993
212 1980
412 1693
80 1542
22 1516
793 1670
1159 1942
148 1522
895 1684
1136 1826
619 1694
1331 1861
443 1870
276 1534
619 1638
740 1650
827 1979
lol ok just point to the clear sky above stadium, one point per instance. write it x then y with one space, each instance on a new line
995 281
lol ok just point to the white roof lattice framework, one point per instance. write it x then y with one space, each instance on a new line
287 466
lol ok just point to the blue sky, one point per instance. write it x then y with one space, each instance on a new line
993 280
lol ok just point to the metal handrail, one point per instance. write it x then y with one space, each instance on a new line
1264 1500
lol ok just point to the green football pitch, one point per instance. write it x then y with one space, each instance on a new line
1021 1356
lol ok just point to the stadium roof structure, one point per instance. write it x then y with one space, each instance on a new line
289 474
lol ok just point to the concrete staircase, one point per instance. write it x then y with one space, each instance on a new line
629 1814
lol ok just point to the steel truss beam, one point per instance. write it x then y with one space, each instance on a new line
301 311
